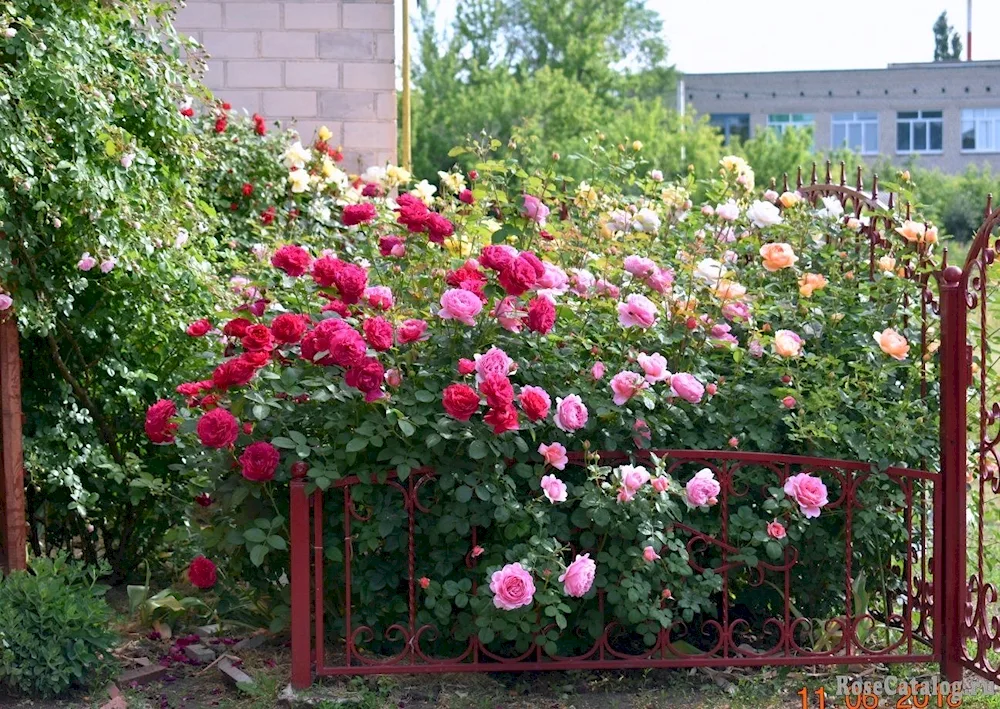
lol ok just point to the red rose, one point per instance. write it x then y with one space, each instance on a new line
233 206
518 277
204 500
467 273
497 257
460 401
367 377
293 260
199 328
358 214
220 124
258 307
411 330
536 263
218 429
256 358
324 270
351 281
347 349
247 189
371 190
473 175
226 105
391 246
541 315
237 327
259 127
190 389
466 366
535 403
299 469
412 213
267 216
498 391
466 197
288 328
233 372
502 419
159 427
378 333
438 228
259 461
336 305
187 111
476 287
343 345
258 338
201 573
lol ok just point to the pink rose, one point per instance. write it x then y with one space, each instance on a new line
787 343
788 402
512 587
393 377
571 413
466 366
597 371
637 311
650 555
633 477
639 266
625 495
687 387
703 489
461 305
661 483
379 297
776 530
535 402
554 489
507 314
736 311
5 301
494 362
412 330
86 262
655 367
534 209
579 576
605 287
625 385
581 281
808 491
554 455
660 280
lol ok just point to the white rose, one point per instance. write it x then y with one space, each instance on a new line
181 238
831 208
646 220
710 271
729 211
296 156
299 180
424 191
762 214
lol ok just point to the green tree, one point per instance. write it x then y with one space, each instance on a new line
947 43
560 70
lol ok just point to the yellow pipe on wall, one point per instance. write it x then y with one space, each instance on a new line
406 129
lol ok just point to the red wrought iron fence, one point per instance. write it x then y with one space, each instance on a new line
918 610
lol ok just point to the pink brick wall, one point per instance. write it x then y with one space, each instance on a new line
321 62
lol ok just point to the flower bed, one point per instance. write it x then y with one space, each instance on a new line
498 327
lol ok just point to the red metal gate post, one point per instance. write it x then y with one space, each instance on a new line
950 527
13 534
299 532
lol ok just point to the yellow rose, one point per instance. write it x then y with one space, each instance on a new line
777 256
730 290
811 282
324 133
892 343
789 199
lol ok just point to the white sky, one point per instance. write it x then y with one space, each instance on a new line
748 35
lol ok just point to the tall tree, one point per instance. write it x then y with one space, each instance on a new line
947 42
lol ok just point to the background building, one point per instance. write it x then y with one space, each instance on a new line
321 63
944 114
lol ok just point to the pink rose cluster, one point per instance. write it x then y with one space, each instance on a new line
513 586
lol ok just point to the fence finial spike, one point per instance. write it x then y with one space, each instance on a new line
812 177
892 200
829 175
784 182
843 174
989 204
907 211
875 186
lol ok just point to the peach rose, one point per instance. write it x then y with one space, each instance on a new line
892 343
787 343
789 199
886 264
778 256
730 290
917 232
811 282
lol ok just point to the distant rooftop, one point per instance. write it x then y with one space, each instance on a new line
984 64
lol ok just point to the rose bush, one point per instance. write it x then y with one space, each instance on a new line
489 329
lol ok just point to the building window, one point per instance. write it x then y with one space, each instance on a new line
919 131
857 131
778 122
981 130
733 126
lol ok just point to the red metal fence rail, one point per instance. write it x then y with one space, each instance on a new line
13 542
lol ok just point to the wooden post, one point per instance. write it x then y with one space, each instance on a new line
13 550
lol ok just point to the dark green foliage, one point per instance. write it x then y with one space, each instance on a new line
54 629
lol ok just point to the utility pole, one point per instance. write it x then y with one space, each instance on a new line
968 31
680 113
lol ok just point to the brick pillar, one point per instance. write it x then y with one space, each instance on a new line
321 63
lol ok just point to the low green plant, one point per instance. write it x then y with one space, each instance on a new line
54 629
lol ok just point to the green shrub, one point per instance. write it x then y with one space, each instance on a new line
54 633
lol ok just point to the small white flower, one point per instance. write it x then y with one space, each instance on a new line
452 181
299 180
710 271
424 191
646 220
374 175
127 160
656 175
10 33
832 208
296 156
181 238
763 214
